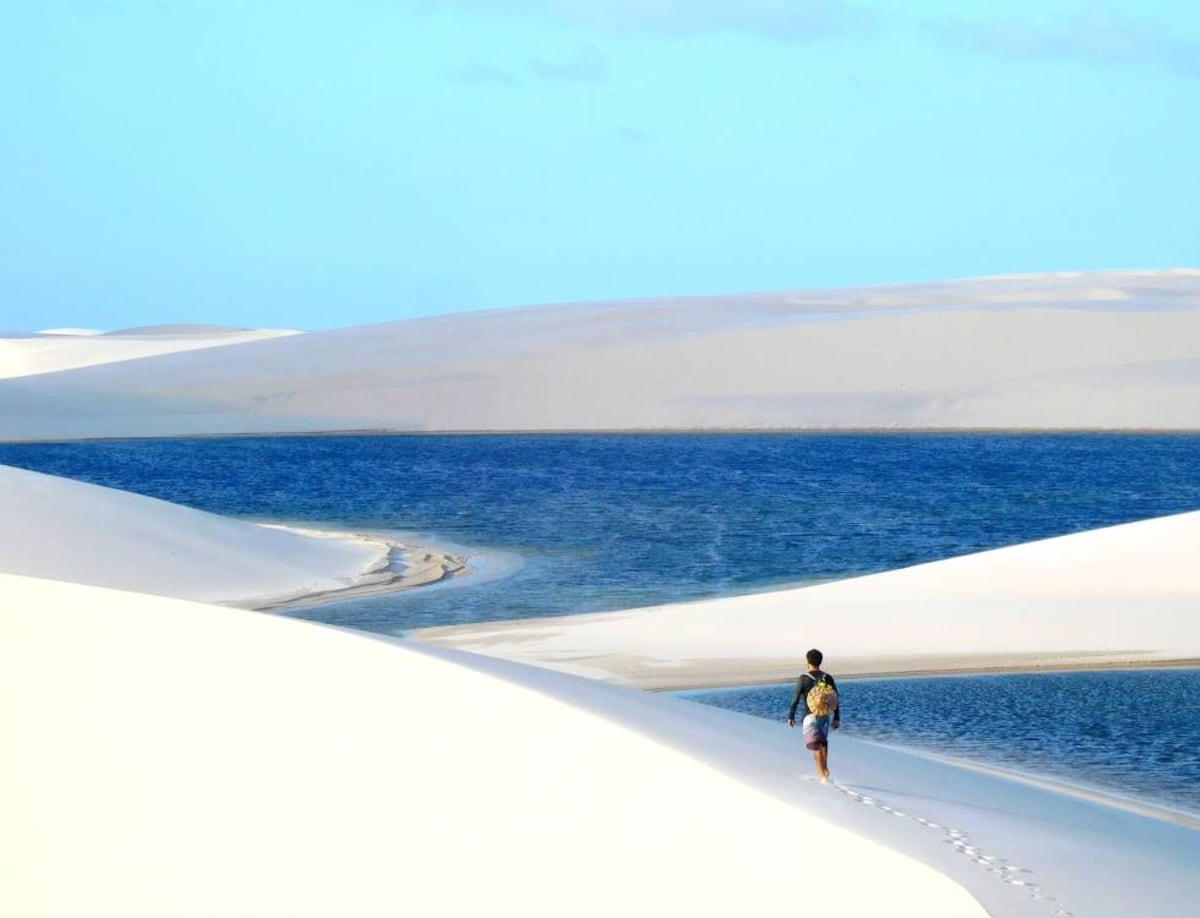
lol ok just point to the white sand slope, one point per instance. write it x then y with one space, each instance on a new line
1118 349
68 348
1122 594
178 759
68 530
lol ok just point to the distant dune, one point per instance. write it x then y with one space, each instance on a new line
70 332
58 349
187 331
1116 349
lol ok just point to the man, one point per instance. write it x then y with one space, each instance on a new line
816 723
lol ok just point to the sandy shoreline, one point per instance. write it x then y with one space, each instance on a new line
687 675
705 674
403 566
782 430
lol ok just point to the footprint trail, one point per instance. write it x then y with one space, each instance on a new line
1004 870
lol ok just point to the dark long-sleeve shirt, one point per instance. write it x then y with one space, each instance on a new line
803 686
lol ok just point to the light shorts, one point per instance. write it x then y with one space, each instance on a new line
816 730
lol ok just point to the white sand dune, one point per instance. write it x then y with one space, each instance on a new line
67 530
54 350
170 758
177 759
1123 594
1117 349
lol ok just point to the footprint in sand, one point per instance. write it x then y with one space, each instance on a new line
1006 871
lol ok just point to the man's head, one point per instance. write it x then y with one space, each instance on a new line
814 657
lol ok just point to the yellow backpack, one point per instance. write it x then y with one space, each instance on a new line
822 698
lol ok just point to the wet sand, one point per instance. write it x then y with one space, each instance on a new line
688 674
403 566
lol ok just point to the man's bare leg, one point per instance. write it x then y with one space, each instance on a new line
820 759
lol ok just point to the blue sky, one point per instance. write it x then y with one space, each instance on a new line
321 163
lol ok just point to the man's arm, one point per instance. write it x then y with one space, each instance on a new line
837 714
796 696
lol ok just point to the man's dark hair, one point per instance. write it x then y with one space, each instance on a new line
814 657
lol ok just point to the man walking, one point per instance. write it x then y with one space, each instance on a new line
819 693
